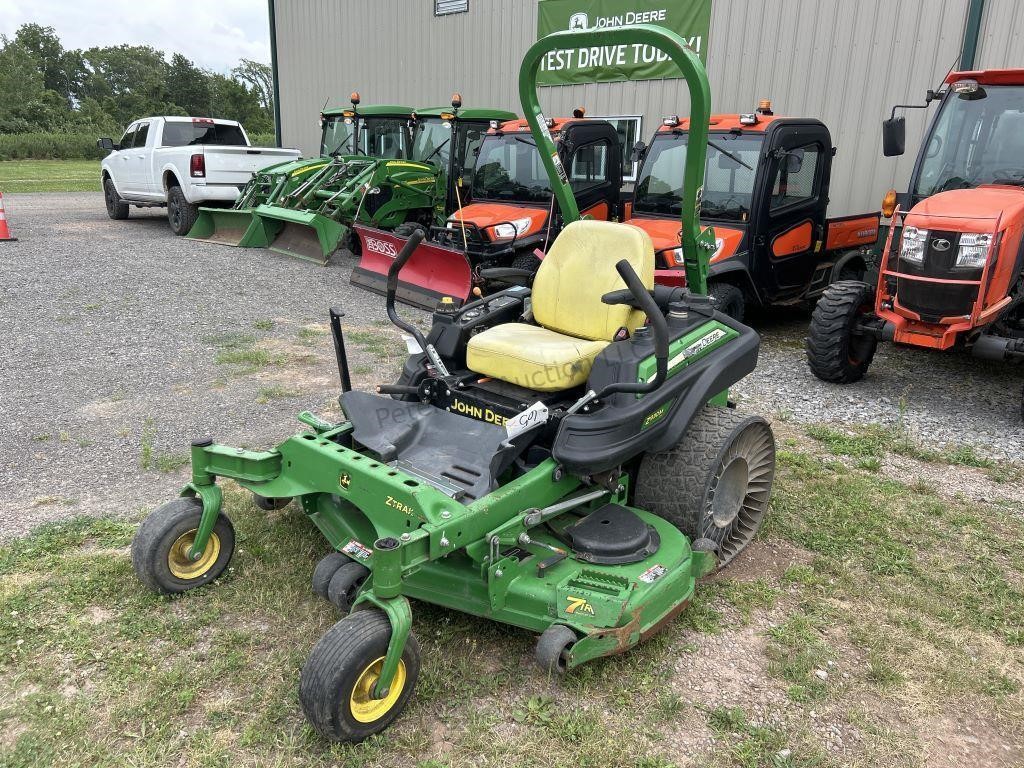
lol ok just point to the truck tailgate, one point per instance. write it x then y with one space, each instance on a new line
235 165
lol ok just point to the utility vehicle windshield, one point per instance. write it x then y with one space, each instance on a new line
432 140
978 138
337 136
509 168
728 176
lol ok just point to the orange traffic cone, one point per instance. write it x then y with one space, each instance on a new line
5 231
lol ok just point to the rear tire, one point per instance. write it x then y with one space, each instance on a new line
181 214
714 484
727 299
406 229
835 352
117 208
340 671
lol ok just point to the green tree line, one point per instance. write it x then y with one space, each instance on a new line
47 89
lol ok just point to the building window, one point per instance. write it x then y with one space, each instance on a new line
628 127
445 7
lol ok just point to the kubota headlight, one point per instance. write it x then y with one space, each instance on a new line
973 251
511 229
912 244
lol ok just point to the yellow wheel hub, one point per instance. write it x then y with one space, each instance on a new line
178 560
363 706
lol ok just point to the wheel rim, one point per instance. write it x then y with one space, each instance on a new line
178 560
365 708
738 498
175 214
109 196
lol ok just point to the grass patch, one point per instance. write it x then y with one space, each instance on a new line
870 443
50 176
263 325
309 334
379 344
268 394
750 745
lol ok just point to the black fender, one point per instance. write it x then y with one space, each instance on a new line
588 443
850 257
734 270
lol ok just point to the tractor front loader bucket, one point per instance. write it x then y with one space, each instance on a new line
300 233
432 272
231 226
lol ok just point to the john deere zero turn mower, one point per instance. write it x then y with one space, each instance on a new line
547 460
952 271
509 214
766 193
371 131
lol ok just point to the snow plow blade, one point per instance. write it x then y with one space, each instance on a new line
432 272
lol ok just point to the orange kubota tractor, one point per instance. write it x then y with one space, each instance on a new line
766 194
507 212
951 271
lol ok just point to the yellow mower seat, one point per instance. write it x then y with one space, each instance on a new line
573 325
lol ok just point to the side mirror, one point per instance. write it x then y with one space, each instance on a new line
894 136
107 144
638 151
793 161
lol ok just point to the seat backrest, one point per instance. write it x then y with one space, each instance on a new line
580 268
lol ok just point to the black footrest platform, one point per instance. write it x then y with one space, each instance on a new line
462 457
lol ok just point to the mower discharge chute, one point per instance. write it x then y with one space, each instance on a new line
345 132
546 459
952 271
507 213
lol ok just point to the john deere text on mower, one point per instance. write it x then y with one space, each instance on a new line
766 193
565 469
345 132
511 211
952 271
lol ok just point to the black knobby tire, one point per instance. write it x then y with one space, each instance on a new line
526 261
727 299
345 585
835 352
336 664
407 228
181 214
268 504
715 483
159 544
117 208
553 648
325 570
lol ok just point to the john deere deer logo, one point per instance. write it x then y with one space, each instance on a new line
578 21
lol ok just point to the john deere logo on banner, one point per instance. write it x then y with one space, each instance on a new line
690 19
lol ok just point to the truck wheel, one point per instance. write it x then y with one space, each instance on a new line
727 299
715 483
835 351
160 547
337 680
180 212
116 207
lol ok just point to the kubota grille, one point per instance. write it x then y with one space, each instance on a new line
933 301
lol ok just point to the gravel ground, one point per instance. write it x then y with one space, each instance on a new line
112 330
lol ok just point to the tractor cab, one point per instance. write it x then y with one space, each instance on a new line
379 130
449 138
766 194
512 210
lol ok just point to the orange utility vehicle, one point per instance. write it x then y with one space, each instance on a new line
766 194
951 270
510 212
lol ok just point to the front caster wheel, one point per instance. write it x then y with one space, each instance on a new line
337 681
552 653
160 547
269 505
345 585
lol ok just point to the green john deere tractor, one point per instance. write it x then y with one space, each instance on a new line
561 458
390 184
355 131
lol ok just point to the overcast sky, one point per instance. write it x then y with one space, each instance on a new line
213 33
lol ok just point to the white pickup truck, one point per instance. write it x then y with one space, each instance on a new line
181 163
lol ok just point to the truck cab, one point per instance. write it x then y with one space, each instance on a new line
512 211
766 195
